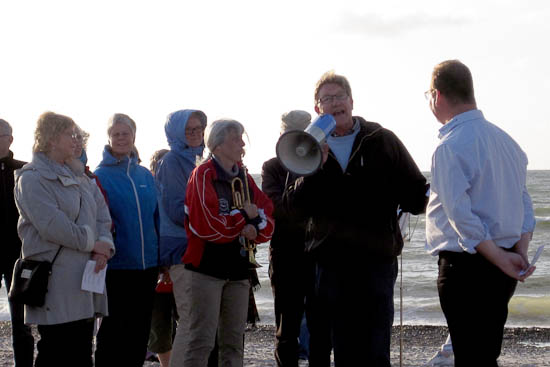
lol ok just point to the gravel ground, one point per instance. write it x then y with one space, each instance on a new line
522 347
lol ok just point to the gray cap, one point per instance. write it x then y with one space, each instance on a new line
295 120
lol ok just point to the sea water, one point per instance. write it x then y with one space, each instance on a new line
529 307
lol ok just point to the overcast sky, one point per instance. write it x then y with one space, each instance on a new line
254 60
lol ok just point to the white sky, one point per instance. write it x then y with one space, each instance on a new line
254 60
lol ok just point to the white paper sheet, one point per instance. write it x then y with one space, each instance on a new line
92 281
535 258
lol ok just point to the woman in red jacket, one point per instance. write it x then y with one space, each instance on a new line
216 263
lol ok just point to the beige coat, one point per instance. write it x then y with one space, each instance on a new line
59 208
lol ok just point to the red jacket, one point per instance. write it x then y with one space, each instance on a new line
213 224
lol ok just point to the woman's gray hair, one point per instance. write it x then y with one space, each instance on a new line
49 126
219 129
82 135
120 118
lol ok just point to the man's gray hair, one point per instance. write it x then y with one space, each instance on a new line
5 127
219 129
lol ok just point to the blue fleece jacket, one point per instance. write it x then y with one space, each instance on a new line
132 199
171 177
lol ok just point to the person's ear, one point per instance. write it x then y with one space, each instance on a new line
437 96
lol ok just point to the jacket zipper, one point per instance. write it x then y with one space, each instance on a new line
361 143
139 213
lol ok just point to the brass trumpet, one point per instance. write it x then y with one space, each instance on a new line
241 195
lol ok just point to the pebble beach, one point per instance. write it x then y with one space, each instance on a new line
522 347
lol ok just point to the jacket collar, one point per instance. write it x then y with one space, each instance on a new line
110 160
7 158
50 170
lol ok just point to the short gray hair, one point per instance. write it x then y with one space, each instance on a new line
82 135
120 118
330 77
5 127
219 129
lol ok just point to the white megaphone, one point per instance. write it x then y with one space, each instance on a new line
300 151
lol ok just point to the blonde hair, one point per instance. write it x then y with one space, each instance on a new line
48 127
330 77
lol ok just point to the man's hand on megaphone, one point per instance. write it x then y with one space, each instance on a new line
324 150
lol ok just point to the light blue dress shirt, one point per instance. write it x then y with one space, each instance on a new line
478 189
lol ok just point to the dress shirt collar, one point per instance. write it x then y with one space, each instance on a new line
460 119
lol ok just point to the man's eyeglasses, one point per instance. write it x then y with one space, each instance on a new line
429 93
194 130
329 99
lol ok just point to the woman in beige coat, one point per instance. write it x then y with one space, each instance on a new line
62 210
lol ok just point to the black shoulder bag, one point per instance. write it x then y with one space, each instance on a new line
29 283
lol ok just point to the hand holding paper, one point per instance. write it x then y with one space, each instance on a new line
532 263
92 281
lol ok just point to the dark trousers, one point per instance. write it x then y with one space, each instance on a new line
68 344
290 275
352 309
123 335
474 296
21 334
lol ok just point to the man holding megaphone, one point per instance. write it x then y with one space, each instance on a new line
351 202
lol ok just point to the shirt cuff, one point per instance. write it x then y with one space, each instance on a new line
90 238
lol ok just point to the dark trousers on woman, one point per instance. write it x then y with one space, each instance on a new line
352 308
68 344
123 335
474 296
21 334
290 275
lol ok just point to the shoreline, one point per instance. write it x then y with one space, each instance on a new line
523 347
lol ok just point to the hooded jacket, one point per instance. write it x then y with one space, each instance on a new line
132 198
11 244
171 179
353 213
61 209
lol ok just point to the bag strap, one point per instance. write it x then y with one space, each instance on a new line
57 253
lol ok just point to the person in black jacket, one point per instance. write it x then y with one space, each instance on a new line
288 269
22 339
353 235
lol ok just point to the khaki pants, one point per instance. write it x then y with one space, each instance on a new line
206 305
176 274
